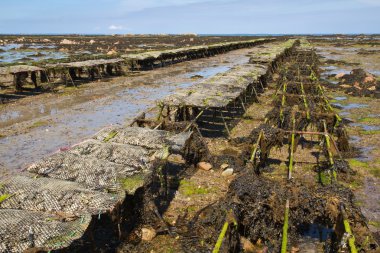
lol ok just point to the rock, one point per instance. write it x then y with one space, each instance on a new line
196 77
357 86
204 166
369 79
67 42
92 42
372 88
263 250
148 234
176 158
228 172
112 52
247 245
224 166
294 250
345 86
63 50
339 75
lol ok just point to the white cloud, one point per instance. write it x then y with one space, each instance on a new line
115 27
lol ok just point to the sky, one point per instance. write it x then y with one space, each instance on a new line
189 16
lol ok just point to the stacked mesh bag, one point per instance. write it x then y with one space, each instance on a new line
52 206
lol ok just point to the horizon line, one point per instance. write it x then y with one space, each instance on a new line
184 34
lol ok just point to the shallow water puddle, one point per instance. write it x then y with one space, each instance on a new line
12 53
366 127
15 56
9 115
333 70
365 151
208 72
344 113
355 139
350 106
313 237
316 231
340 98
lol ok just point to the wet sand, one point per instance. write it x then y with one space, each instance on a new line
36 126
364 113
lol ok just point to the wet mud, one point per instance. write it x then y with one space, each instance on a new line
32 128
255 200
28 49
254 207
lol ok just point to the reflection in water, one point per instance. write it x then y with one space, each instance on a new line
350 106
316 231
9 116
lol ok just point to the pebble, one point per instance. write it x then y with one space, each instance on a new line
176 158
224 166
369 79
112 52
340 75
246 245
372 88
228 172
204 166
148 234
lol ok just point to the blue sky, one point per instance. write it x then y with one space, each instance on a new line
189 16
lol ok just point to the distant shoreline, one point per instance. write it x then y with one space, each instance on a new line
189 34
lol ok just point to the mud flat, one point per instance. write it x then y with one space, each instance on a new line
48 74
279 169
75 47
118 161
32 128
352 68
57 202
261 188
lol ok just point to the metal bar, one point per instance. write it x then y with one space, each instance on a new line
261 84
347 228
229 219
277 90
284 243
328 146
242 104
316 133
305 102
160 112
220 238
158 126
100 73
291 155
225 125
283 104
72 81
161 173
304 132
194 120
47 76
257 97
256 145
